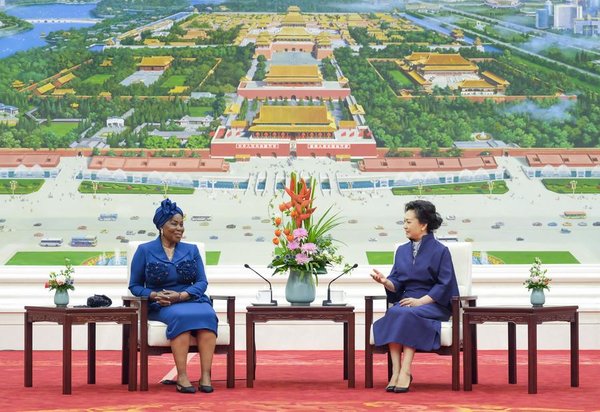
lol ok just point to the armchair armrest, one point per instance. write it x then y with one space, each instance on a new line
369 313
457 303
375 297
230 311
469 299
129 299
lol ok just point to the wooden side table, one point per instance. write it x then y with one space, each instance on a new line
261 314
530 316
78 316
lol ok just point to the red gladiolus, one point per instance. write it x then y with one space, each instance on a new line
282 207
275 240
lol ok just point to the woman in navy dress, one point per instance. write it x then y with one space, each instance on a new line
422 283
171 274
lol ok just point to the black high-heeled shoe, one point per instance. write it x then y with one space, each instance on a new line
399 389
185 389
206 388
390 388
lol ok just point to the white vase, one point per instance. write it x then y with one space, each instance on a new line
61 298
537 298
300 288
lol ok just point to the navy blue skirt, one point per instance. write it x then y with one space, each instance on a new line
417 327
186 316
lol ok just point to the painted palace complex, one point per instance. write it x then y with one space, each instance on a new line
293 111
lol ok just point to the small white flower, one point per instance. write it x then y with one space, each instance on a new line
61 279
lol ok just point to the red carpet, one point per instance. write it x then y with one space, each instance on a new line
303 381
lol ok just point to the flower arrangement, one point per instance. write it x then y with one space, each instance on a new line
537 276
63 280
302 243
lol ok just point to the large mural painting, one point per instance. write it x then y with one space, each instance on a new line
490 111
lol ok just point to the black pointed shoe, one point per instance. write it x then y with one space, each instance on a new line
185 389
399 389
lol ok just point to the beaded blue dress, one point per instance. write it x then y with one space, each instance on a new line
152 271
429 271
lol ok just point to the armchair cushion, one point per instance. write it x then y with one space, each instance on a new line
157 335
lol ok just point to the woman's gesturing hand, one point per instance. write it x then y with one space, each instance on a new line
378 276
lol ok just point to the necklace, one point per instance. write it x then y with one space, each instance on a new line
169 251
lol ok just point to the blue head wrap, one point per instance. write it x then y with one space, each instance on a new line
165 211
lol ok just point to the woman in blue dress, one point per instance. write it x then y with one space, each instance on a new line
171 274
422 283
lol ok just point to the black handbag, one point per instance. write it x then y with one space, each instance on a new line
99 301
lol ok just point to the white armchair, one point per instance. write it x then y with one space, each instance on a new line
152 334
451 333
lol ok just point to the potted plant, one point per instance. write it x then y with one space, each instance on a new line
304 247
537 282
61 282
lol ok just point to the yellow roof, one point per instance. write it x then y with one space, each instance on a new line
293 18
156 61
416 56
17 83
495 78
105 94
294 118
285 73
62 92
357 109
347 124
45 88
182 43
178 89
447 60
293 128
417 77
233 109
153 42
293 9
478 84
449 68
106 63
293 33
66 79
437 59
239 124
323 38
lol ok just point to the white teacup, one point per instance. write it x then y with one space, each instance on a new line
337 296
263 296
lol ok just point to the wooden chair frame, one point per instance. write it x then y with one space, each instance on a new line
145 350
454 350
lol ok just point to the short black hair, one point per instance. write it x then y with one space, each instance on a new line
425 213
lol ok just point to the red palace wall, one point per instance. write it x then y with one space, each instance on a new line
308 149
255 149
299 93
323 53
289 47
337 148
